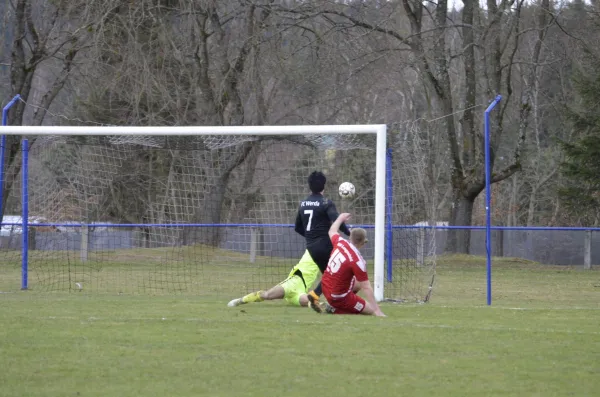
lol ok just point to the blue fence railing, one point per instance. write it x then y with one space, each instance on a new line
389 227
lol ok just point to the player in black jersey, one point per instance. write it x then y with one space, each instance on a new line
315 216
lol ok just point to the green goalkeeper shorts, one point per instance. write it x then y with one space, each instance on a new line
294 285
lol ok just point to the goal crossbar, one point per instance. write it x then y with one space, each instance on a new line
379 130
195 130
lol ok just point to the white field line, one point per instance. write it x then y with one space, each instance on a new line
504 329
521 308
125 320
492 307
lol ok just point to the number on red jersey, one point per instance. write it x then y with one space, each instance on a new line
335 261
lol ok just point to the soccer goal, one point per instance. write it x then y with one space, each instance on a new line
192 210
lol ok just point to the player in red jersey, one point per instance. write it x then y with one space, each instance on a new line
346 274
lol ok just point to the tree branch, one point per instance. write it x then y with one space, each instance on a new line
31 27
48 98
506 172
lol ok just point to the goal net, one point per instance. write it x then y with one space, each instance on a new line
412 195
202 211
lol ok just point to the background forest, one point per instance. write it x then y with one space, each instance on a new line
426 69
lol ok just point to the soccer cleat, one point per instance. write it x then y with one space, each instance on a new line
314 303
235 302
329 309
252 297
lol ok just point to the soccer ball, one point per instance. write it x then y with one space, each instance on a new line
347 190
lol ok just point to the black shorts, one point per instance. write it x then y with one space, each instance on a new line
320 253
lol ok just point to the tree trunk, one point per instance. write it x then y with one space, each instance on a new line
249 195
31 46
12 169
459 240
212 235
212 210
512 206
531 207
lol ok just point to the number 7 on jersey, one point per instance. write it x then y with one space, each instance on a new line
310 214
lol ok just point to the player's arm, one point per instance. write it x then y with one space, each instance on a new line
333 215
365 287
299 228
335 226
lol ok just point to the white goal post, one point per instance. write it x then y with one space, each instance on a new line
379 130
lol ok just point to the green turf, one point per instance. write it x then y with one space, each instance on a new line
540 337
197 270
192 270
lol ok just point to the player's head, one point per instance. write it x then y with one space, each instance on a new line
316 182
358 237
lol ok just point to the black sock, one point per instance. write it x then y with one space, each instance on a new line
318 290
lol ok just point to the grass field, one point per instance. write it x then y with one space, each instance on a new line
540 337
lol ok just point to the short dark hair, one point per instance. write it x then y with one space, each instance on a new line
316 181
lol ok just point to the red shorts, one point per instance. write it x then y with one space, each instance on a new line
350 304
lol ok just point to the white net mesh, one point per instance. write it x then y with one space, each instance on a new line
204 215
412 211
178 193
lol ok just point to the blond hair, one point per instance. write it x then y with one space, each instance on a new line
358 236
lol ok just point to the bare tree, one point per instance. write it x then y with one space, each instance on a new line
46 36
185 63
5 39
546 90
483 55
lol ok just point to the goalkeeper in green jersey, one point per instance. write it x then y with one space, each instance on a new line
315 216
